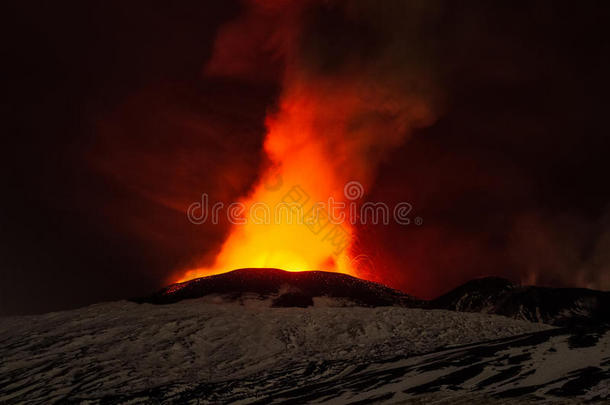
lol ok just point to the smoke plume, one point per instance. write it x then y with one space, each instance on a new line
354 85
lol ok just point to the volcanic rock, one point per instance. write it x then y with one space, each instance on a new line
285 288
555 306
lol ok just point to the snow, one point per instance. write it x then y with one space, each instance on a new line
122 348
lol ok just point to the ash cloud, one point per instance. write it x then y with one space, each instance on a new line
122 114
357 66
506 173
500 117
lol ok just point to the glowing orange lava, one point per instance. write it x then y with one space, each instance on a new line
282 229
333 125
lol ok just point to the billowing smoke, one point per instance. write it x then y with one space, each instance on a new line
561 250
488 117
354 85
448 107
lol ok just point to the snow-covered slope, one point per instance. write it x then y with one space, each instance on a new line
555 306
221 351
552 366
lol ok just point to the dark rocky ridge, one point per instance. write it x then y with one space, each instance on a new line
287 288
555 306
493 295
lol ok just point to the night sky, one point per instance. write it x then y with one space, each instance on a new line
115 124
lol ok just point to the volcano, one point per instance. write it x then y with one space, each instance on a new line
489 295
273 336
285 288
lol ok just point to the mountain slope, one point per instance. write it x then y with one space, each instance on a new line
491 295
555 306
122 352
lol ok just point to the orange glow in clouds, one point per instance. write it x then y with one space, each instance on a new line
329 128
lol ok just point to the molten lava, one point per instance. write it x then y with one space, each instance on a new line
286 225
334 121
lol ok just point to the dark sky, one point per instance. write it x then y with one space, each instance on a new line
113 127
